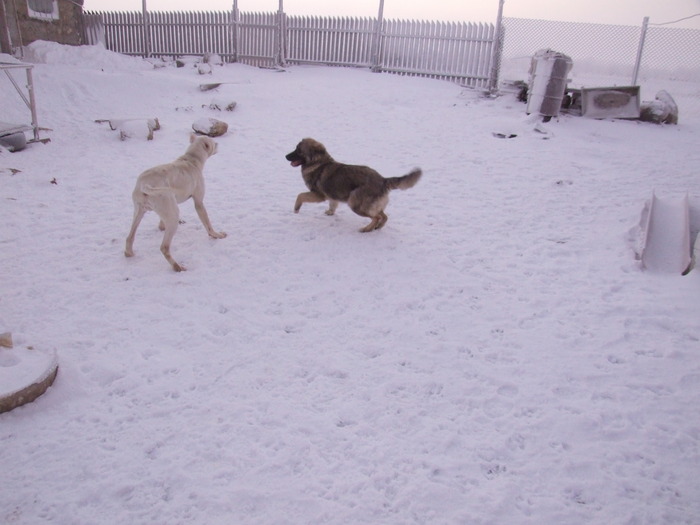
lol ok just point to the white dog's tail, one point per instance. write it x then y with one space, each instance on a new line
155 190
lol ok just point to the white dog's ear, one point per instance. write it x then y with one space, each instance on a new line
192 137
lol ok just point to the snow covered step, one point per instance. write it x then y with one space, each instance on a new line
25 374
666 235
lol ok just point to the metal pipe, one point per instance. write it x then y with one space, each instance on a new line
32 105
640 50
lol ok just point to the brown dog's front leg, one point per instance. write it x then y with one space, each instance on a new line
307 196
332 206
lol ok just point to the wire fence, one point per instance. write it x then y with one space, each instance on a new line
659 56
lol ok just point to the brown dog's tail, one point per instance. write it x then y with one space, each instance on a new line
405 182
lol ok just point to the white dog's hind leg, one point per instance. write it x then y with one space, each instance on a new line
139 212
169 215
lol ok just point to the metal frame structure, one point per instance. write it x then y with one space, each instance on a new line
28 98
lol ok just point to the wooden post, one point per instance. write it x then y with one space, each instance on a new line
146 31
235 19
5 38
377 43
281 36
496 51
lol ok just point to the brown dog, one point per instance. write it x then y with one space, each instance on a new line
162 188
365 190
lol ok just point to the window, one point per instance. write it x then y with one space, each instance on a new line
43 9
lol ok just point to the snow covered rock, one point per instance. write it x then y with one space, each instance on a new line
662 110
187 60
213 59
210 126
6 340
220 104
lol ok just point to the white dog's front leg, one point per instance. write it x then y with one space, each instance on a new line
204 217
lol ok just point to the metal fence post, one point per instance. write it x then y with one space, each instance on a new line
377 42
640 50
496 52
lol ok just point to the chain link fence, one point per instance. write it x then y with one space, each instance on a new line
606 55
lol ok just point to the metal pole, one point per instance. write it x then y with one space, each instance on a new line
640 50
32 103
376 65
496 51
146 31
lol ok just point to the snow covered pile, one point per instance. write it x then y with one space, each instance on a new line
90 57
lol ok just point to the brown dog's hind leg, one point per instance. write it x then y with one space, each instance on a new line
372 225
377 222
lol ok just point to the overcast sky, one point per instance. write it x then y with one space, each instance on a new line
625 12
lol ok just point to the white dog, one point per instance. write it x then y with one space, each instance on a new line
162 188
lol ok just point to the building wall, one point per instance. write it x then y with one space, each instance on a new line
24 30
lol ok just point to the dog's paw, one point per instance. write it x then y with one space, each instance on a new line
217 235
128 253
178 267
330 212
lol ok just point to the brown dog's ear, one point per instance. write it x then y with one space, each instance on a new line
315 149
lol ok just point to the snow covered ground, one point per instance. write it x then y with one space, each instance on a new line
494 355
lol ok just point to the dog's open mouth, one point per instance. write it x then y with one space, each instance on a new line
294 159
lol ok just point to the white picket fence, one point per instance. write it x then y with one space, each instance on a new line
450 51
331 41
459 52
